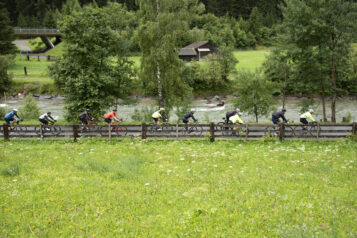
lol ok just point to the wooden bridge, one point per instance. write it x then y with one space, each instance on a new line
43 33
180 131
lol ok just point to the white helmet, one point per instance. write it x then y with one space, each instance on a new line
237 109
162 109
193 110
15 110
311 110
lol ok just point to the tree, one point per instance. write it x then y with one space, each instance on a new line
326 28
6 33
255 93
94 69
162 24
5 79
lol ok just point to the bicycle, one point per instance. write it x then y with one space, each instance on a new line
16 128
159 129
305 131
48 129
226 129
194 129
118 129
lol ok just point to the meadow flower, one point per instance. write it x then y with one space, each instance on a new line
188 170
193 161
147 184
182 159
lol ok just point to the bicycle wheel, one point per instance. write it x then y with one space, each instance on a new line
313 131
38 130
55 130
241 131
270 131
120 130
224 128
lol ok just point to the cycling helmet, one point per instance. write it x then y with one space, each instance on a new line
283 110
48 112
193 110
15 110
237 109
114 110
162 109
311 110
87 109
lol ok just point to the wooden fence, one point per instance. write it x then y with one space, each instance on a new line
179 131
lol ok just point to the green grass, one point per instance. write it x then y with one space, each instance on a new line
354 45
251 59
135 188
57 51
35 69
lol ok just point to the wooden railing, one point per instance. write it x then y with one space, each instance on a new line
179 131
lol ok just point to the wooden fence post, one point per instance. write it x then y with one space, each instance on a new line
354 128
75 133
318 131
41 131
176 130
282 131
246 132
143 131
25 71
6 132
211 129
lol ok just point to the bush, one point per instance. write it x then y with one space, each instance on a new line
30 109
12 170
2 112
143 115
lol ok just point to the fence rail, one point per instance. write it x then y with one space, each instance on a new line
179 131
37 31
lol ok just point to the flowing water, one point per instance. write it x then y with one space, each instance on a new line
204 112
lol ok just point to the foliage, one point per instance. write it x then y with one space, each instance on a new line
254 93
6 32
306 104
162 24
2 112
30 109
94 69
144 114
5 79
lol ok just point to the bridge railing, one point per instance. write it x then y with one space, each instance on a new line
180 131
36 31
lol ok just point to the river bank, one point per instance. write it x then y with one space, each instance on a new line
207 109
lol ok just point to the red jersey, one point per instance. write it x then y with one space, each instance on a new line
110 115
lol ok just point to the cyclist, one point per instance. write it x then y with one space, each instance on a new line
45 118
232 113
11 116
305 116
85 116
235 120
276 116
158 115
189 115
113 114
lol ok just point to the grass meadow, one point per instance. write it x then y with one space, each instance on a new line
135 188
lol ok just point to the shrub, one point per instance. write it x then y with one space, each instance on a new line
2 112
30 109
12 170
143 115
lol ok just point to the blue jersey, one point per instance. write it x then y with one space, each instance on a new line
11 115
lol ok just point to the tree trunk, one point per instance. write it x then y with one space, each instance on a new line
256 113
334 89
284 98
159 86
323 107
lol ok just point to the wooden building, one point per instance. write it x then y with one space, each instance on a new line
197 51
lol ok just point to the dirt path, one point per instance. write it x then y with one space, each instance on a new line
21 44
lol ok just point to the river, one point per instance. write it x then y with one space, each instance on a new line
204 112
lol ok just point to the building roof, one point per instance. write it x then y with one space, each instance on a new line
188 52
196 45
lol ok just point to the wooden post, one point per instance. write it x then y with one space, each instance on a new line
318 131
6 132
211 128
354 128
282 131
176 130
246 132
38 58
143 131
28 57
75 133
48 58
41 131
25 70
110 131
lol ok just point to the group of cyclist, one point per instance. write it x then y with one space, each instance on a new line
232 117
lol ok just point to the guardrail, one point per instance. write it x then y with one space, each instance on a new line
37 31
180 131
